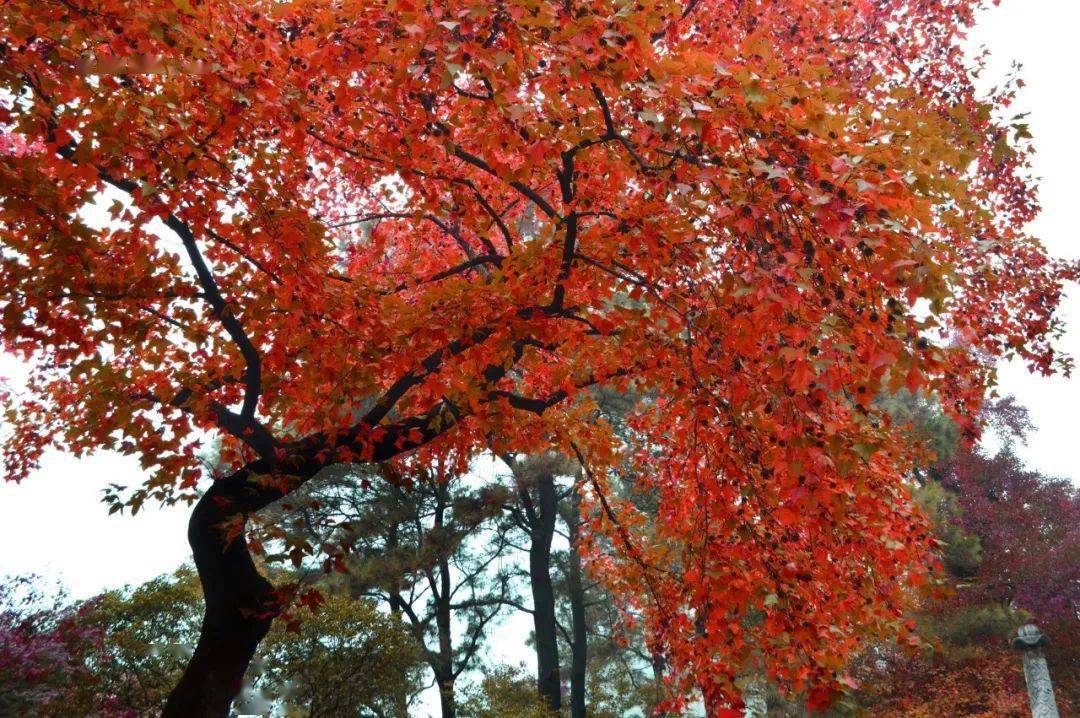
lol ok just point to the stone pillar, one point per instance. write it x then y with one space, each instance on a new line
1029 641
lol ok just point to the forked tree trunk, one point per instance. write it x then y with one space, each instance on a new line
240 603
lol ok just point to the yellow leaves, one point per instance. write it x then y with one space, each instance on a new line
865 450
754 93
184 6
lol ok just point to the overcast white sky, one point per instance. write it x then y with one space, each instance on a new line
54 524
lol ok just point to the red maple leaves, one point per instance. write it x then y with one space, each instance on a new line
371 227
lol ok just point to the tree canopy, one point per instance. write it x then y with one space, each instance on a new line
354 231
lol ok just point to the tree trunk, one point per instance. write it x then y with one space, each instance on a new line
579 644
447 702
548 682
658 665
240 606
445 676
401 700
240 603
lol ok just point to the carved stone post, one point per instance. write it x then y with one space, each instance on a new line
1040 691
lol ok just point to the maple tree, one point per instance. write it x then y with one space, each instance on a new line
43 646
1007 535
348 658
350 231
1028 528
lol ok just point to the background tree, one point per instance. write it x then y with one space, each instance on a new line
44 645
618 676
148 633
546 494
1008 547
431 553
614 670
1028 531
506 692
120 653
348 660
306 244
536 512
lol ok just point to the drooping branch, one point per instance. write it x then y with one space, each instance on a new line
453 232
632 550
245 255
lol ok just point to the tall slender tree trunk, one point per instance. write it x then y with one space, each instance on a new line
401 700
447 700
658 665
445 675
548 681
579 644
240 606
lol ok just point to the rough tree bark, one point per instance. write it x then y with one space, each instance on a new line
447 700
579 641
658 667
240 603
548 680
445 676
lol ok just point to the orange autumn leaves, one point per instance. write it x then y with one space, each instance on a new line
369 228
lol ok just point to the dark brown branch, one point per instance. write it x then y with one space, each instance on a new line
495 216
623 532
660 34
243 426
489 95
428 366
477 261
527 403
521 187
452 232
613 134
342 148
232 325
